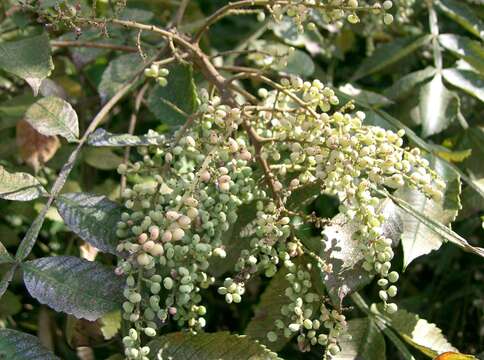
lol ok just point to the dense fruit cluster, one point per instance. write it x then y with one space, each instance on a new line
330 11
186 194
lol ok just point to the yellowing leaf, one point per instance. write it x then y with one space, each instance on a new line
455 156
110 324
454 356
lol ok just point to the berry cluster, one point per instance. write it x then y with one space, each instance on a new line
330 11
185 196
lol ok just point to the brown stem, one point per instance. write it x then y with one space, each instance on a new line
88 44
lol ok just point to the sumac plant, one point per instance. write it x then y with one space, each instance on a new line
267 208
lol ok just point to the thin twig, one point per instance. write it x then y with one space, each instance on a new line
132 126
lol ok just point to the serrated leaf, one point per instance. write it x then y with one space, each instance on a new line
204 346
404 86
463 15
180 92
417 238
110 324
102 158
419 333
118 73
390 53
464 48
19 186
92 217
344 253
16 345
28 58
35 149
101 137
53 116
438 106
366 343
466 80
268 311
75 286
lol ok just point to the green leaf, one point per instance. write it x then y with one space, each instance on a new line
10 305
101 137
204 346
469 81
463 15
54 116
404 86
438 107
92 217
344 253
390 53
19 186
75 286
102 158
464 48
299 63
417 238
118 73
180 93
30 237
5 257
6 279
419 333
268 311
16 345
234 240
366 343
28 58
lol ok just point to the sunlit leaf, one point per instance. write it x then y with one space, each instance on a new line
464 48
438 107
204 346
19 186
75 286
417 238
418 332
469 81
101 137
53 116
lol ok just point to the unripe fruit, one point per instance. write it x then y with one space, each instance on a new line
143 259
